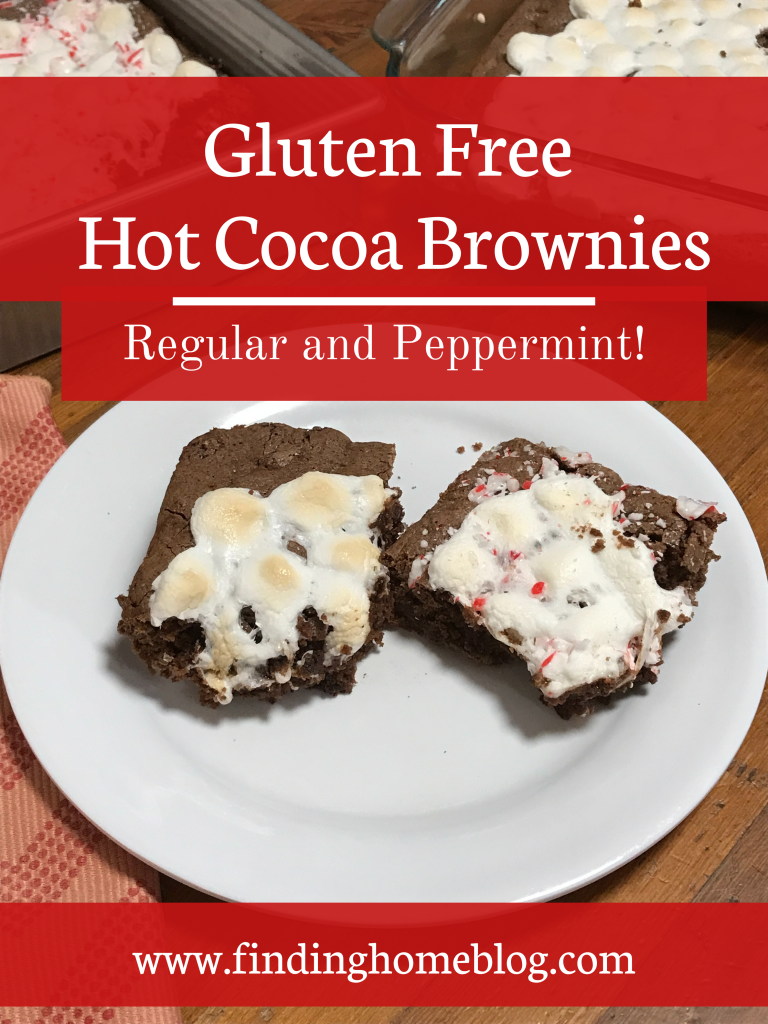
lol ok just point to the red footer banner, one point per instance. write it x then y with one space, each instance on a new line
483 955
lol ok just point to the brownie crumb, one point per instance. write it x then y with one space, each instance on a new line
598 545
762 38
460 450
248 619
297 549
477 446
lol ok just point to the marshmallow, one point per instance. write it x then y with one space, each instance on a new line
616 59
547 69
311 543
587 32
524 48
589 8
193 69
162 50
567 52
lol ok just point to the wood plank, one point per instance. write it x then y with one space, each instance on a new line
685 1015
742 877
391 1015
290 1015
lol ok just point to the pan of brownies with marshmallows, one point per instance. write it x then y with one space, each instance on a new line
462 652
576 38
154 38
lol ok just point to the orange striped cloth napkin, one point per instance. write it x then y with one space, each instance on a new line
48 851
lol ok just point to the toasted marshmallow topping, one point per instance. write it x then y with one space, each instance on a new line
89 38
550 573
649 38
310 544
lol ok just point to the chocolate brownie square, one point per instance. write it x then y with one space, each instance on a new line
264 571
541 553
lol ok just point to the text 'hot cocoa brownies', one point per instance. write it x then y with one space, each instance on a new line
547 555
264 572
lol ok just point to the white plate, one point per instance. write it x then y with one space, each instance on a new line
436 779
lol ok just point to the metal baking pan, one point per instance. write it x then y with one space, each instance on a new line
242 37
28 330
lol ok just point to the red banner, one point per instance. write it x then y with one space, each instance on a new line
613 344
226 954
480 238
345 187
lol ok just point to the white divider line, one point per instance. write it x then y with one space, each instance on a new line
383 300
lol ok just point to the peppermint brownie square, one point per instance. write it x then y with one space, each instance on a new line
264 572
544 554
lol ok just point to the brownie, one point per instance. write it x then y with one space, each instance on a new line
259 458
539 17
681 547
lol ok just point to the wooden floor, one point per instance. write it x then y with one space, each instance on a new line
720 852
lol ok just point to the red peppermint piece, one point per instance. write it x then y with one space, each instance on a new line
548 659
537 588
526 484
479 603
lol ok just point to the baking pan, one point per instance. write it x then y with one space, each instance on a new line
28 330
242 37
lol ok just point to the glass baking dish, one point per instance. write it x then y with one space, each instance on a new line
438 37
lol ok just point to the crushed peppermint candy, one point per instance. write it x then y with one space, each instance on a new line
91 39
418 566
573 459
691 508
497 483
